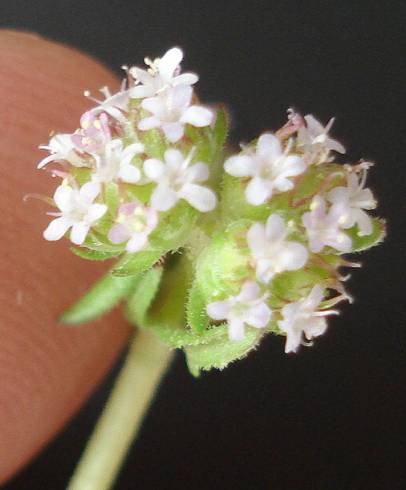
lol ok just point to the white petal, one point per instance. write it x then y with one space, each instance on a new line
313 125
95 212
48 159
79 232
258 316
169 62
236 330
293 340
338 195
163 198
198 172
154 169
119 233
265 270
293 165
154 104
130 151
185 79
240 166
257 241
64 198
141 91
129 173
142 76
149 123
173 131
282 184
174 159
137 242
335 145
219 310
269 147
364 222
89 191
275 228
179 97
293 256
315 297
197 116
57 228
249 292
340 241
201 198
258 191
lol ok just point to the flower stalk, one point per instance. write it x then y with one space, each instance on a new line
147 361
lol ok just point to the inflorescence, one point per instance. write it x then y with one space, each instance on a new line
221 247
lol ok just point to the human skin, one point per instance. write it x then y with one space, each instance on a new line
47 370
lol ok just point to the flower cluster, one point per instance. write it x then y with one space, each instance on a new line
253 241
108 145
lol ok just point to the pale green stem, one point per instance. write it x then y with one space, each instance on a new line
133 391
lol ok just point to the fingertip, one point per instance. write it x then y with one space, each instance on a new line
46 370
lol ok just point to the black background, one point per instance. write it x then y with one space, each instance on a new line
328 418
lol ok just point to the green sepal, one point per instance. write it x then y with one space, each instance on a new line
100 299
174 227
81 174
234 203
143 295
196 315
363 242
209 142
220 130
135 263
94 254
294 285
112 198
318 177
96 241
154 143
220 351
224 263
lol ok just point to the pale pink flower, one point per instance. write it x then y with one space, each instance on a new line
247 308
134 224
269 168
304 318
163 73
351 203
171 110
77 211
177 179
323 228
271 251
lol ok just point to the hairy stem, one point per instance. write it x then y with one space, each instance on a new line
134 389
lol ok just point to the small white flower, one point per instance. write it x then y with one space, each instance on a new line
115 105
93 134
134 224
162 73
176 179
351 201
115 162
323 229
62 147
77 211
302 317
247 308
313 137
271 251
270 169
172 110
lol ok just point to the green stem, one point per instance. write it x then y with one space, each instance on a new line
134 389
